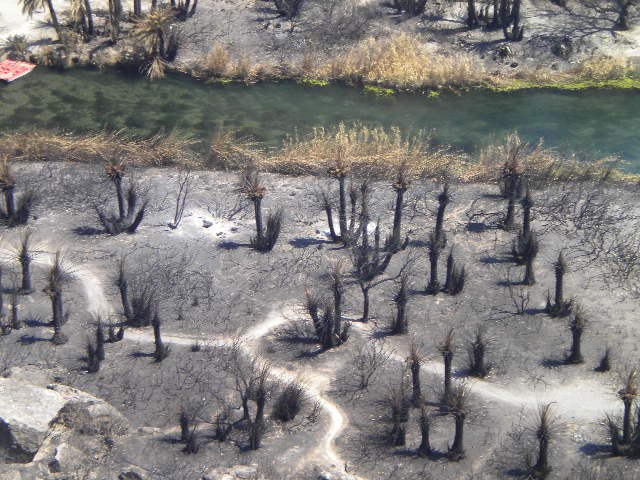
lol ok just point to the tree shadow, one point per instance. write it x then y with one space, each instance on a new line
31 339
596 450
553 362
494 259
230 245
86 231
302 242
36 322
143 355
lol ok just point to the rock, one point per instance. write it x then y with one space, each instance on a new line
93 417
26 412
245 472
503 52
130 475
206 223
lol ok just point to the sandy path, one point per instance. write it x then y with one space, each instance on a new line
581 399
313 381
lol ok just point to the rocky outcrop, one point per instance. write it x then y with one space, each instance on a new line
26 412
55 430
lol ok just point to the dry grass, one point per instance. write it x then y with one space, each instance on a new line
603 68
405 62
375 152
46 146
540 164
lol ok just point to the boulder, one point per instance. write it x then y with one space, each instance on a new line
26 412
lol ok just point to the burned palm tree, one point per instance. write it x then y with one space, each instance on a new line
414 360
349 230
370 260
512 182
93 360
424 450
100 340
455 277
458 407
525 251
443 200
472 20
398 415
541 469
527 204
605 361
627 444
435 249
161 350
129 216
577 324
265 239
400 299
16 323
437 241
56 279
447 350
477 350
560 307
259 394
14 212
25 257
400 186
139 299
326 315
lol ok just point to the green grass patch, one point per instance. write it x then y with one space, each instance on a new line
380 91
314 82
624 83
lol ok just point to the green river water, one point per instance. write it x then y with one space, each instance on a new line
593 122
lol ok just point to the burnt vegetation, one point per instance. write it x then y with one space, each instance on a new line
378 355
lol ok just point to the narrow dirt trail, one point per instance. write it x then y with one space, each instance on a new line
582 400
579 399
315 383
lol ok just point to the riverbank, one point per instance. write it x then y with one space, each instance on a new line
373 153
365 45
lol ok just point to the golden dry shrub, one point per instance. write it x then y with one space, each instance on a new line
372 151
404 61
603 68
540 164
45 146
217 63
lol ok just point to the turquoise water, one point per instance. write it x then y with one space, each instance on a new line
589 123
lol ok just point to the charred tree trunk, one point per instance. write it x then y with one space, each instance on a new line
396 236
161 351
400 299
123 286
434 255
100 342
424 450
456 451
9 200
365 301
472 14
257 206
342 210
416 396
16 324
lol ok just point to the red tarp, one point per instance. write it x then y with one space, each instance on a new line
12 69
